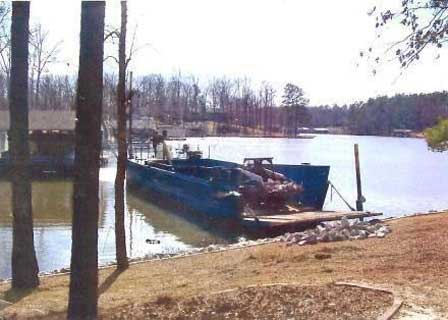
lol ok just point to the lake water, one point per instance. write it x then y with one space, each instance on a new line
399 176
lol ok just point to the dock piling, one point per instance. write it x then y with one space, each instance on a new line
130 147
360 199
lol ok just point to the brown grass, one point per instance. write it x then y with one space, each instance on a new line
268 302
412 261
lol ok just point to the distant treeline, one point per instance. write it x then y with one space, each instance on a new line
381 115
55 92
237 104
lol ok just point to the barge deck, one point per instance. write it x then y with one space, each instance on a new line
294 221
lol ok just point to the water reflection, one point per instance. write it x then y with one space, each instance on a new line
52 210
51 202
189 231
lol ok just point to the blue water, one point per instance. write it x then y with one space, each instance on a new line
399 176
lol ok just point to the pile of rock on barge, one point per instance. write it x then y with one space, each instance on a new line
259 196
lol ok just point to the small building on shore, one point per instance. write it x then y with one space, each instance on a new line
51 132
321 130
172 131
143 128
404 133
200 128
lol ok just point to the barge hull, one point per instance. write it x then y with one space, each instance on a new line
186 190
208 198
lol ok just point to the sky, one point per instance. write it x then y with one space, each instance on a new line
314 44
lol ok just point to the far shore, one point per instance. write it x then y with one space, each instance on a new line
416 135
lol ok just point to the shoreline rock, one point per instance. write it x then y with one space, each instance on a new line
341 230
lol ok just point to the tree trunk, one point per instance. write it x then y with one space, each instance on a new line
131 110
24 262
296 108
120 236
36 97
31 90
83 294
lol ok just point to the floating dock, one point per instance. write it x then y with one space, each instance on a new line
273 223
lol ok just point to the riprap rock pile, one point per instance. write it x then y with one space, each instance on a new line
338 231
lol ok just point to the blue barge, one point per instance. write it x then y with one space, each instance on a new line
212 187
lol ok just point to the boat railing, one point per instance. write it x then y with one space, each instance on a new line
160 165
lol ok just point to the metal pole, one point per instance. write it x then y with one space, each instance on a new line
130 116
360 199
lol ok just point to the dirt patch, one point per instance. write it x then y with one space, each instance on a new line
266 302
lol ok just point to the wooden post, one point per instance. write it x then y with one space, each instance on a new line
141 150
130 116
360 199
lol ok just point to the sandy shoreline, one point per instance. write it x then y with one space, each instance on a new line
411 261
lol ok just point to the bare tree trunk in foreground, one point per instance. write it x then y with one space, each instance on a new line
83 294
120 236
24 262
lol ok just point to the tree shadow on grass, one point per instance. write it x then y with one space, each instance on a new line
13 295
109 280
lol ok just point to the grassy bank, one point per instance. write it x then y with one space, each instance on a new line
412 261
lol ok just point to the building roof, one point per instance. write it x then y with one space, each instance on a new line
44 120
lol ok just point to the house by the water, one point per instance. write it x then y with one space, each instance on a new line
51 136
404 133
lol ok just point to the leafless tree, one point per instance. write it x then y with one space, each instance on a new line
267 96
43 53
120 237
423 24
5 39
110 98
57 92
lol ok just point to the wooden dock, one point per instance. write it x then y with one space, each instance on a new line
300 220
